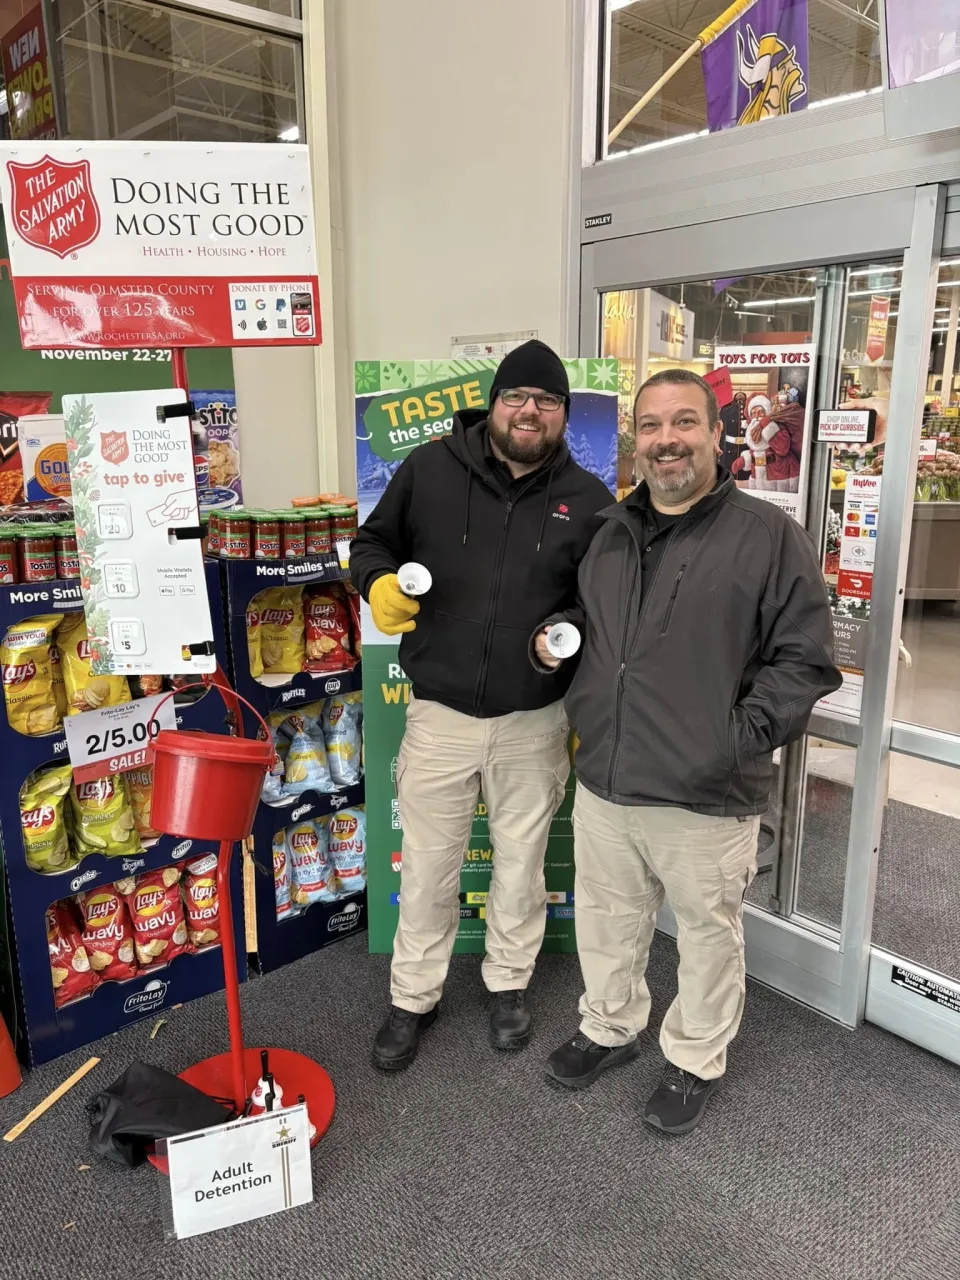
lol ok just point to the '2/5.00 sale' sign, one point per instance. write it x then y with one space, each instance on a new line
112 245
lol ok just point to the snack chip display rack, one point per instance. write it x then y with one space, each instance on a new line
280 942
44 1030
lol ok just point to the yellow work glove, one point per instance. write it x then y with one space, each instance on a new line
393 612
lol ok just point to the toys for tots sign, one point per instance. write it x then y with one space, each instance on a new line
112 245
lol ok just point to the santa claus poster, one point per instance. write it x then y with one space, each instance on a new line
766 425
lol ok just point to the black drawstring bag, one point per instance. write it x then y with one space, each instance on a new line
144 1105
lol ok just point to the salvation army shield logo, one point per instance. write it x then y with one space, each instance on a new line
53 206
114 447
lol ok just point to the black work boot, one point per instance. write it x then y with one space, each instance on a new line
510 1020
677 1104
399 1038
576 1064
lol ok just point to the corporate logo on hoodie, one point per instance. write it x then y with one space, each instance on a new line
562 512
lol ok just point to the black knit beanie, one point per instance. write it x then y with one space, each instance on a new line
532 365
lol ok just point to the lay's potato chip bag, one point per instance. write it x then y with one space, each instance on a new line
85 691
103 817
140 790
27 670
43 820
254 653
56 677
281 630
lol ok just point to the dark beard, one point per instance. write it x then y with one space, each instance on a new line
515 450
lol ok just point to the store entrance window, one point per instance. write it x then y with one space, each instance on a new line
918 884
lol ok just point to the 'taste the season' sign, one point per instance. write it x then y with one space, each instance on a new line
114 245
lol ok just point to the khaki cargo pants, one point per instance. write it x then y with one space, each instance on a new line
520 763
629 858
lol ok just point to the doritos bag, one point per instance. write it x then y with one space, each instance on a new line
69 963
201 901
281 630
27 670
157 914
327 621
103 820
43 820
86 692
254 654
107 933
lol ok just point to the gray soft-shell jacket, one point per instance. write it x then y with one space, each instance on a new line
686 684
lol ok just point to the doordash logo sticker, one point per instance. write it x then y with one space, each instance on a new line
53 205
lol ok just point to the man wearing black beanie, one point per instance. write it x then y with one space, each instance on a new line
501 516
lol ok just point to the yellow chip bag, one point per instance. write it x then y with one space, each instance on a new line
43 820
27 670
254 653
103 818
281 630
140 790
56 677
85 691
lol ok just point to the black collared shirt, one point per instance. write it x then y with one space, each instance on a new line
657 527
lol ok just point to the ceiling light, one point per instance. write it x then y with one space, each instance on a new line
778 302
290 135
878 271
875 293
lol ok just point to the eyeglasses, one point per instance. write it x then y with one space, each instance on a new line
544 400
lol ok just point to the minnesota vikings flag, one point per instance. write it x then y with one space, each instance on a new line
758 67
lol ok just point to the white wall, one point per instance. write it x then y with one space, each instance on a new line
451 120
276 401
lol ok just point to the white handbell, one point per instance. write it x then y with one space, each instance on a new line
563 640
415 579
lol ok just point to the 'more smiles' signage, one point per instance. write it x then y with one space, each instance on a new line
112 244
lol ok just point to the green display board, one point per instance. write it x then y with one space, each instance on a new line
399 406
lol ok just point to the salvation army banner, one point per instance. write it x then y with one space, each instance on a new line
399 406
759 67
175 245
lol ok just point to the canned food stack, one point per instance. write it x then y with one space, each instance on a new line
310 527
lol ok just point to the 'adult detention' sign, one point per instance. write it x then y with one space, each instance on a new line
236 1172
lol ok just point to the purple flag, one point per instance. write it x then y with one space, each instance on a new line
758 68
923 40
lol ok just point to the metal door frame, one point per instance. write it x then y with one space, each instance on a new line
824 968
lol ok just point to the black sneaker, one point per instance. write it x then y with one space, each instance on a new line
510 1020
677 1104
399 1038
576 1064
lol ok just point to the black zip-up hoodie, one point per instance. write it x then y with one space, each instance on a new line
688 682
503 555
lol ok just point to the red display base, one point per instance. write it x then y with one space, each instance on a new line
294 1073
